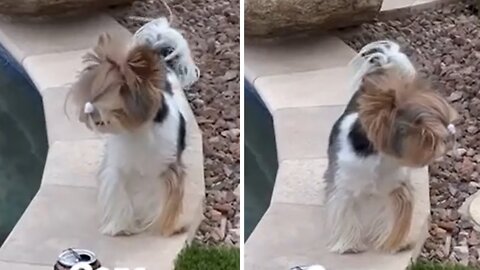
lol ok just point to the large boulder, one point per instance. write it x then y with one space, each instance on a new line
17 9
267 18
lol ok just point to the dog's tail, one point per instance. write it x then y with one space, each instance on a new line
172 46
175 189
378 55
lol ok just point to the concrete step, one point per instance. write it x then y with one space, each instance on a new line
61 217
302 133
22 266
324 87
293 55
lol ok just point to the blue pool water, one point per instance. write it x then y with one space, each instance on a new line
260 158
23 142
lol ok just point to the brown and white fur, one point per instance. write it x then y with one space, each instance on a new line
393 123
126 93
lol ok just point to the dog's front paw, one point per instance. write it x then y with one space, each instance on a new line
392 249
113 229
347 250
343 248
109 232
170 231
408 246
401 248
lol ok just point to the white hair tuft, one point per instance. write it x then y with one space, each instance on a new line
171 44
383 54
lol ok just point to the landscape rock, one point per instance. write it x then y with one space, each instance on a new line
16 9
266 18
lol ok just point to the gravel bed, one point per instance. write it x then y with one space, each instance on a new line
446 45
212 28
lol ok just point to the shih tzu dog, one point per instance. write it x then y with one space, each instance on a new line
126 92
393 123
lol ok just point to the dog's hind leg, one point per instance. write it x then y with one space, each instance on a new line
401 201
174 179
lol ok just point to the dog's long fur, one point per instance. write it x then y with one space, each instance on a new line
170 43
128 87
393 123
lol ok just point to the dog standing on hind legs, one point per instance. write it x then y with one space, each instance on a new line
393 124
126 92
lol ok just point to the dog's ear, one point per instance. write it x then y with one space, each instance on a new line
377 109
144 77
100 49
377 95
143 67
140 106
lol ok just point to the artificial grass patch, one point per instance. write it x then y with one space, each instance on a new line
423 265
198 257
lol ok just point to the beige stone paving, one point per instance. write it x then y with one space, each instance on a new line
421 2
421 5
300 182
21 266
392 9
388 5
470 209
289 235
63 216
54 70
73 163
325 87
27 39
59 126
293 55
474 210
303 133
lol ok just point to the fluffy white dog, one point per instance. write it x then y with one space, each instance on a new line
126 92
